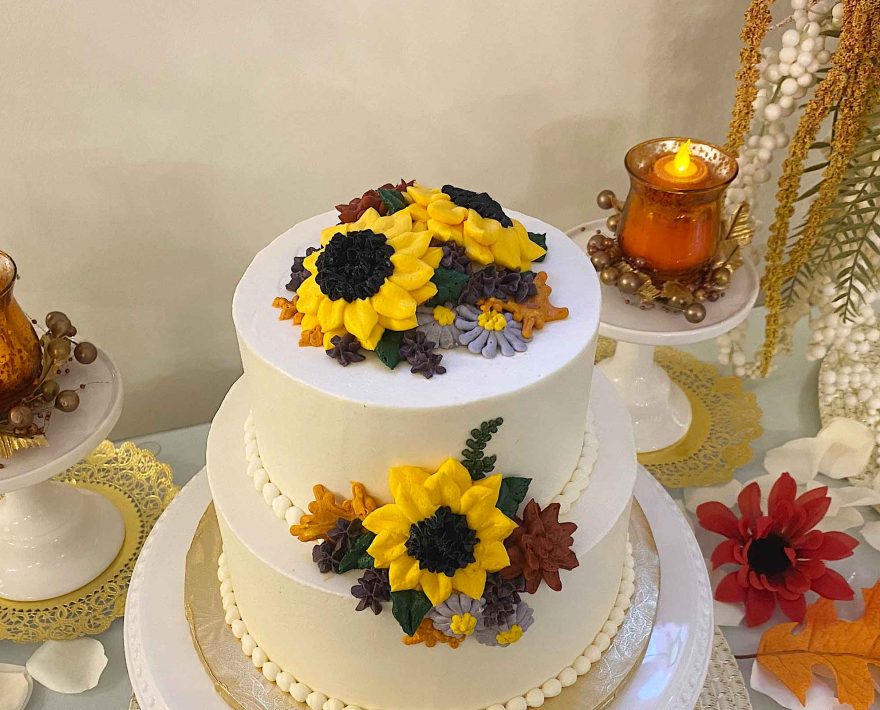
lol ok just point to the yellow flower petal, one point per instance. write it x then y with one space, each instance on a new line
330 314
393 224
478 252
437 586
419 213
388 518
310 296
309 321
457 473
398 323
415 502
470 580
432 257
406 474
394 302
491 556
506 250
329 232
492 483
478 504
444 491
360 318
529 251
484 231
496 527
387 547
414 243
445 232
372 340
311 262
422 195
423 293
410 272
404 573
366 221
447 212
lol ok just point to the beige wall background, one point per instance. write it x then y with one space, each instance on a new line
149 149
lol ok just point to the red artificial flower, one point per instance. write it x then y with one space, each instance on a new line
780 555
540 547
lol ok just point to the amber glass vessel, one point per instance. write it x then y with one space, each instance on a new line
673 223
20 354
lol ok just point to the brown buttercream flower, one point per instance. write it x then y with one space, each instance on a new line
540 547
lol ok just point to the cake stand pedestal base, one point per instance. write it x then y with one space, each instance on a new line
660 409
67 536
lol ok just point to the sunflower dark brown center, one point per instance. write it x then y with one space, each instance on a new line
479 202
354 265
767 555
442 543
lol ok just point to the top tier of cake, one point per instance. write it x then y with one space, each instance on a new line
319 423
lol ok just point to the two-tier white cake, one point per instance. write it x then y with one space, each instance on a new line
474 587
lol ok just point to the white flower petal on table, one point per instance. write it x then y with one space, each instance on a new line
15 687
848 496
871 533
820 695
847 448
726 493
845 519
725 614
68 666
798 457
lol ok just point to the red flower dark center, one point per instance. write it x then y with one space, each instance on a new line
442 543
767 555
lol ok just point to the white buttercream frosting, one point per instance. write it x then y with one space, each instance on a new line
286 681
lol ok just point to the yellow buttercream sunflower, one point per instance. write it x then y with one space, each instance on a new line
443 533
369 275
485 239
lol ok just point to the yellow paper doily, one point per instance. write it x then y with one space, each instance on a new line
726 419
141 488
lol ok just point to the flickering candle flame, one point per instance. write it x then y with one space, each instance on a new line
681 165
681 168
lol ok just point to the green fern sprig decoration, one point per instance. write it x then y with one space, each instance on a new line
474 458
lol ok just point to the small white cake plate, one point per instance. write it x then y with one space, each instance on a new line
55 538
166 673
660 409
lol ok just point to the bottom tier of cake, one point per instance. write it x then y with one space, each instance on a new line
300 627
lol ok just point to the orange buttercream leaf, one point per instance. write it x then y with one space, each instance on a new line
430 635
287 307
312 338
325 511
846 648
535 312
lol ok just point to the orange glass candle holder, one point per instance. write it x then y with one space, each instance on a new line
671 220
20 352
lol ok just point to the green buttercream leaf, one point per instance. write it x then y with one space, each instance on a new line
472 458
357 556
393 199
409 608
513 492
388 348
449 283
541 241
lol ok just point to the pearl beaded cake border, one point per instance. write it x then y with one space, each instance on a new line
286 510
534 698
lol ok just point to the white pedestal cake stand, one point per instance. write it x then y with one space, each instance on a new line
55 538
166 673
660 409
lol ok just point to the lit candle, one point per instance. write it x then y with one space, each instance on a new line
681 169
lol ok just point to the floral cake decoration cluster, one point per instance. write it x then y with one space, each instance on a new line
455 554
411 270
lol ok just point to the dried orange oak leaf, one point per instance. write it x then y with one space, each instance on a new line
325 511
429 635
846 648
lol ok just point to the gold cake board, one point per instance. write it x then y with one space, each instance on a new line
243 687
726 419
141 488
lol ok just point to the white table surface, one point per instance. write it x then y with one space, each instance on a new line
789 402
